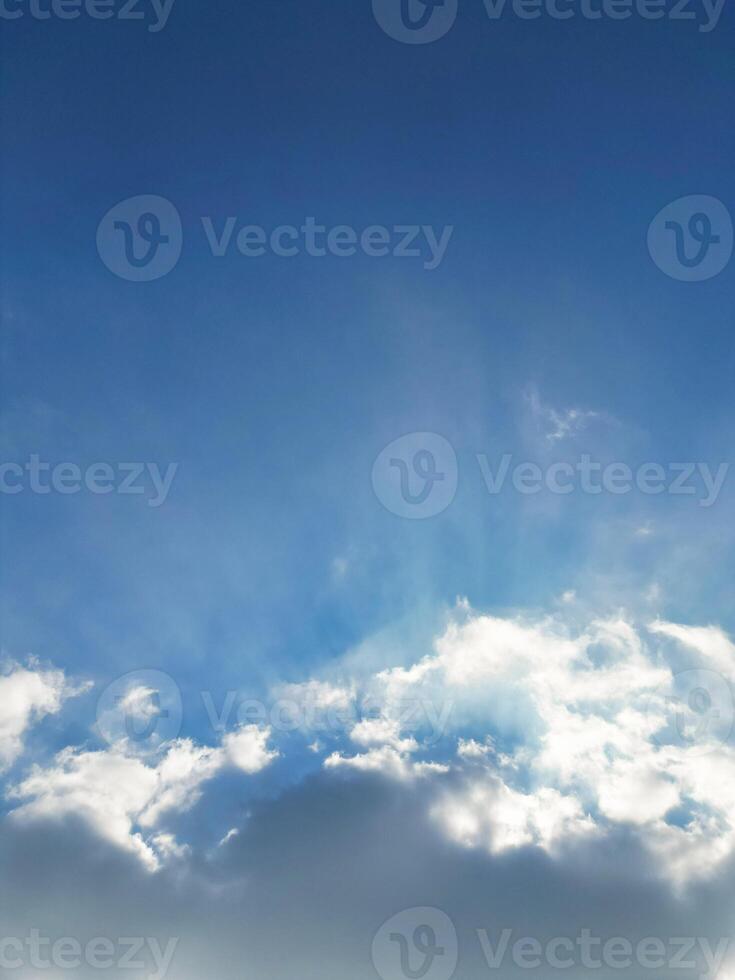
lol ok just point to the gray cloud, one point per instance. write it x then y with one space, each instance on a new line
312 875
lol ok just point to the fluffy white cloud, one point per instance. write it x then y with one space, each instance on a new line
709 641
386 760
247 748
28 694
471 749
561 733
124 798
490 814
541 733
388 751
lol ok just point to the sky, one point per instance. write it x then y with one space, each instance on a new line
366 495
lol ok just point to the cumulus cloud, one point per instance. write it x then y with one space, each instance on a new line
527 732
314 872
709 641
388 751
247 748
124 799
490 814
386 760
27 695
563 741
561 733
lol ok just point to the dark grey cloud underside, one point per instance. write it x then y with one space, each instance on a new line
301 891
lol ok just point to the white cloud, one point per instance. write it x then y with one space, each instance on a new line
231 834
382 731
710 641
180 775
315 705
558 424
139 704
27 695
556 732
386 760
125 799
387 751
247 748
107 790
471 749
585 730
490 814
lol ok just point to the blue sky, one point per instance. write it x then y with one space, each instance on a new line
546 332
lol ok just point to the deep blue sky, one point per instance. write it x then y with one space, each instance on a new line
547 332
274 383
